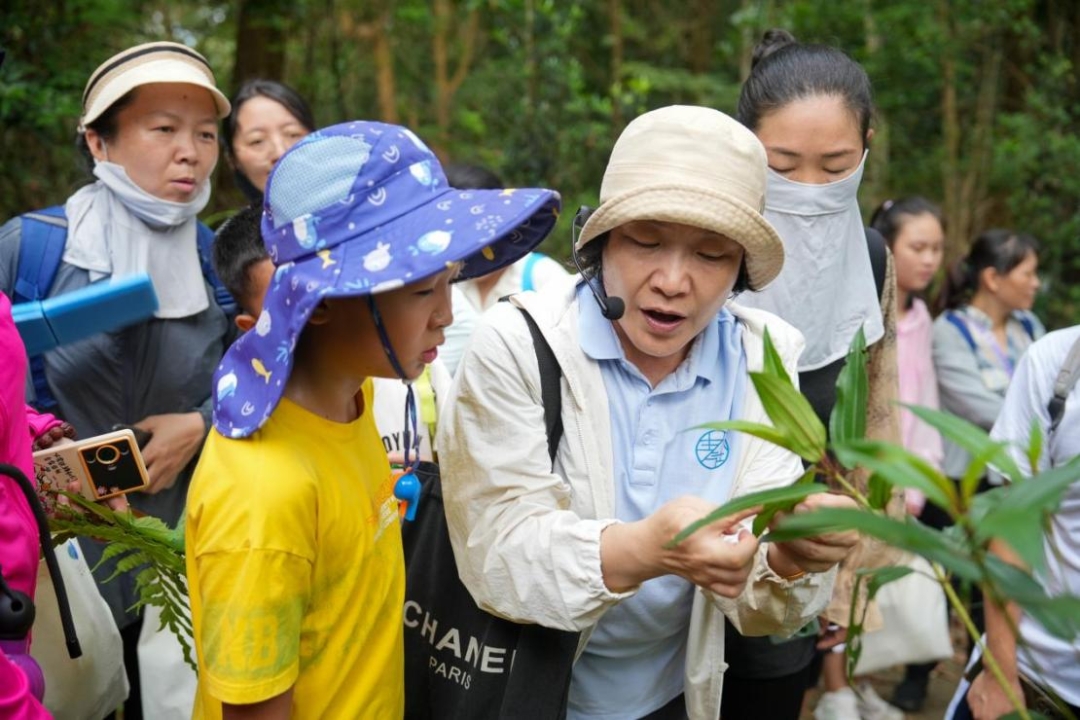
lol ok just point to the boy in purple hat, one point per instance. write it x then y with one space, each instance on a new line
294 558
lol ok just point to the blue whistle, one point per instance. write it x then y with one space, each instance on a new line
46 324
407 490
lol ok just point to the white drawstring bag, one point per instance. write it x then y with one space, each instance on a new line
916 618
94 685
168 683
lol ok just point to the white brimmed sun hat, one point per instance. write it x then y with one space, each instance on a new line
695 166
156 62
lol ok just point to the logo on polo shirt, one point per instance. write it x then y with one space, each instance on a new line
712 449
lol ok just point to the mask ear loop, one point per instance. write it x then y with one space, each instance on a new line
407 487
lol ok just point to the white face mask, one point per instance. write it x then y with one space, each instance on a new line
826 288
152 210
117 229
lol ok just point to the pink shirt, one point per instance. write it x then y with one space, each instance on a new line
918 386
18 530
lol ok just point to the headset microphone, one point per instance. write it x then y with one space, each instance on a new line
611 307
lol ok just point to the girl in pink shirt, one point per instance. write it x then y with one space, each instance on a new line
915 233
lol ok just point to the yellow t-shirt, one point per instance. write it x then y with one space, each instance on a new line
295 569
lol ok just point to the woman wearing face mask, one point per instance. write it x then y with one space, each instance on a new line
810 106
267 119
149 127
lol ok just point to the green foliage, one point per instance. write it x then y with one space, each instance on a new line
141 544
1017 514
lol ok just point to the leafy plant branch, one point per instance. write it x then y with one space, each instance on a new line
1016 513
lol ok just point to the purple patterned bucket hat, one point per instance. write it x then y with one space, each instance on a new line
356 209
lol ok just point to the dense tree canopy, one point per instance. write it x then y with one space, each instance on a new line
977 102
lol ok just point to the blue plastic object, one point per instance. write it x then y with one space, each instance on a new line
103 306
407 490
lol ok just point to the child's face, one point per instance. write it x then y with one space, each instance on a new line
414 317
259 275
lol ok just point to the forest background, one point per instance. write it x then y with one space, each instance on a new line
977 101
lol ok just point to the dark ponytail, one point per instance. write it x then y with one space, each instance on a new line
784 70
999 249
891 215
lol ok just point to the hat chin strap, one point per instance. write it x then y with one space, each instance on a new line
411 439
384 338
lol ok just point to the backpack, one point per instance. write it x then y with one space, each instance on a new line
43 238
959 324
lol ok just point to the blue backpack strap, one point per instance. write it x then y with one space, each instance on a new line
41 248
527 272
957 321
1028 324
43 235
222 296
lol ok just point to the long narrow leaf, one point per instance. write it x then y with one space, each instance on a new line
1059 615
900 468
763 518
1019 514
773 364
792 415
780 496
766 432
968 436
909 534
848 418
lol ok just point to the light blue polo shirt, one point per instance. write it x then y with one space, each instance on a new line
635 658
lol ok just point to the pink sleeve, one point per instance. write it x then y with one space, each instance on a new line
16 701
40 423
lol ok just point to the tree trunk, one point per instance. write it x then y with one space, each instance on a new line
260 40
876 190
447 85
615 21
956 228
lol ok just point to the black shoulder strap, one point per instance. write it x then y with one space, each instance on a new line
879 258
550 390
1066 379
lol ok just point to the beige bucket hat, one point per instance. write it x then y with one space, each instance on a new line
156 62
695 166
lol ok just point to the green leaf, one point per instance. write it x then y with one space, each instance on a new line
907 534
880 492
1019 512
763 518
792 415
848 418
766 432
882 576
900 468
781 496
970 437
1059 615
773 364
1035 445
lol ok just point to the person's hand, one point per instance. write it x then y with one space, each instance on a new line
176 439
118 503
814 554
830 635
988 700
54 436
718 557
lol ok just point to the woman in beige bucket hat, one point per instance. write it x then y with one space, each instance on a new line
148 127
659 349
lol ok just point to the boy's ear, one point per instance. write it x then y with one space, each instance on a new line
320 315
245 322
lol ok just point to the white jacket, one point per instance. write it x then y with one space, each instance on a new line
527 539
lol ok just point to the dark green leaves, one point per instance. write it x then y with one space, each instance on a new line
772 501
848 418
789 411
898 467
